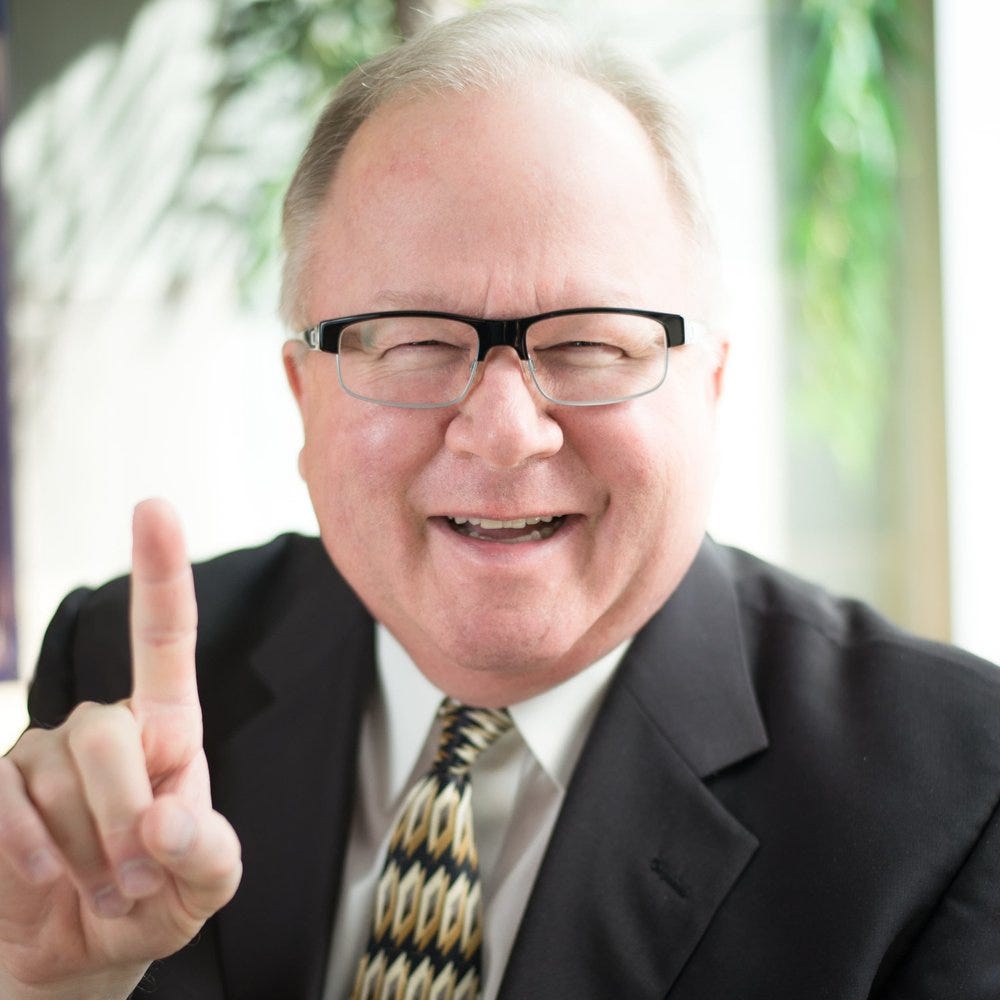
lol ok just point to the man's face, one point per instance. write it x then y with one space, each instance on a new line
546 197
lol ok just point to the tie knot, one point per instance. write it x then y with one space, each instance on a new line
466 733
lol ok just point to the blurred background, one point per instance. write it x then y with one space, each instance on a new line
848 150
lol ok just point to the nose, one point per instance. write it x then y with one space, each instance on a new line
504 420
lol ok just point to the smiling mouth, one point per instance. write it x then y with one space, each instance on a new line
520 529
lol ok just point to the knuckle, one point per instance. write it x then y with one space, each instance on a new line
10 774
51 788
28 744
100 731
165 636
80 712
19 835
17 819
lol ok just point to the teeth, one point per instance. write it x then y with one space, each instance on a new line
482 527
488 523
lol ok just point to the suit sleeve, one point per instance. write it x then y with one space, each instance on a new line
957 954
54 690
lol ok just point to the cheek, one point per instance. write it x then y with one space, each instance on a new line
355 486
360 460
659 470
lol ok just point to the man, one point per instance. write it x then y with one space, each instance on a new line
716 781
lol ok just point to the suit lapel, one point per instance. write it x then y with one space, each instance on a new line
283 773
643 854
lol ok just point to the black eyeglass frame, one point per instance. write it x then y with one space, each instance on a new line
325 336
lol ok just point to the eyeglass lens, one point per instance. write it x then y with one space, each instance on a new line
428 361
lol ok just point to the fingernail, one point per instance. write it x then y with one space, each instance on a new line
177 832
139 878
109 902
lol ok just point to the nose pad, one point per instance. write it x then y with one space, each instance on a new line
501 356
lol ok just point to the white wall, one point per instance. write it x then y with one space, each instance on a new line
969 140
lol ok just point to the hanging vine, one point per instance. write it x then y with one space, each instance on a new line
280 59
843 231
286 56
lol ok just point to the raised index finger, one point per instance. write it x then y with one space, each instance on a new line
164 616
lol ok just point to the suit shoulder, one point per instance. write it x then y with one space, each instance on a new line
775 597
86 650
229 578
840 652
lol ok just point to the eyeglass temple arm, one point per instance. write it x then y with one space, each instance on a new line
695 332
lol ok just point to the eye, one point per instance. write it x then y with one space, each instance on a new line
397 338
594 340
422 345
422 354
581 353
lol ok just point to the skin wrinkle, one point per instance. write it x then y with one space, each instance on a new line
566 199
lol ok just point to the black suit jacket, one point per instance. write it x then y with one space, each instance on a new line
782 798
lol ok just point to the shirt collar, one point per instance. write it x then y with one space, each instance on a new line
554 724
410 703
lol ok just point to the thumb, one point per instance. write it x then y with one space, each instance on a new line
199 849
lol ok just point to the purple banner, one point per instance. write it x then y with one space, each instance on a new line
8 649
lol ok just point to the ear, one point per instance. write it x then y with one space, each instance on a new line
721 348
293 355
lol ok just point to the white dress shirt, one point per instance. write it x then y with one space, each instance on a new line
518 786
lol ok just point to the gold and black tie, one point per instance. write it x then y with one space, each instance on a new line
427 928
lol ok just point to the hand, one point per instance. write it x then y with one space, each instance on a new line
110 853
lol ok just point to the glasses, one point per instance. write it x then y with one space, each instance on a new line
576 357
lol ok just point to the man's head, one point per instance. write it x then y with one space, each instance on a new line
519 194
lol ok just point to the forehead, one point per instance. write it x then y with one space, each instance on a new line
550 190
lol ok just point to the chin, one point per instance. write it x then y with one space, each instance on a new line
511 652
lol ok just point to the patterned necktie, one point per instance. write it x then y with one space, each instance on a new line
428 926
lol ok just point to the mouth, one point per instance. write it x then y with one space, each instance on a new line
511 531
